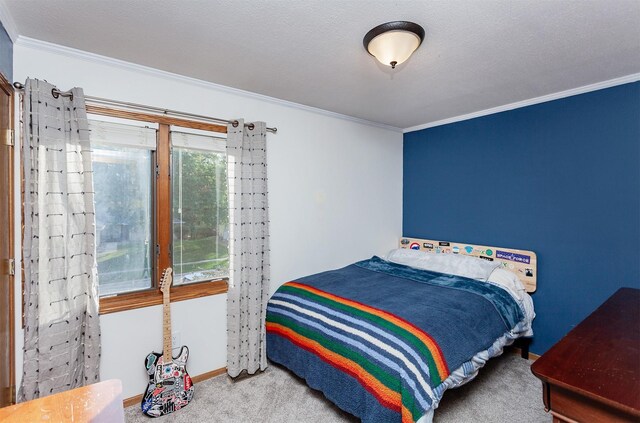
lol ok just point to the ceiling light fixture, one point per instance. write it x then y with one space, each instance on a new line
393 42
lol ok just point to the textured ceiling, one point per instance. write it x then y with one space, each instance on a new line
476 55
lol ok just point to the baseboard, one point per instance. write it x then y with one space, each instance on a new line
516 350
128 402
209 375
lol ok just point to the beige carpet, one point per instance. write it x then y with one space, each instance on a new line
505 391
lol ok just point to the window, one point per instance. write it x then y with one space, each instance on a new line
161 200
124 200
200 208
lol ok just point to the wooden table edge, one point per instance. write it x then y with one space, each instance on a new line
588 394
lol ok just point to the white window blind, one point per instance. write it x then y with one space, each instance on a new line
198 140
122 134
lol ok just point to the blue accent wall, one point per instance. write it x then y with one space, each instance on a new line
560 178
6 54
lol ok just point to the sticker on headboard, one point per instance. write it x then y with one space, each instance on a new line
521 262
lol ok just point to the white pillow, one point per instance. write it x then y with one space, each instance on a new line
454 264
509 281
404 256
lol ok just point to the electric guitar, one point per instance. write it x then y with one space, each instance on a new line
170 387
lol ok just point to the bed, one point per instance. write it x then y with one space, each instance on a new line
383 339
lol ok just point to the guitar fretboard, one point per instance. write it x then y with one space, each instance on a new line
167 354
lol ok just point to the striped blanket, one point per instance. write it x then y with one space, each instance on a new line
378 339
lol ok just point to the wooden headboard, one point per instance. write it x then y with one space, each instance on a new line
521 262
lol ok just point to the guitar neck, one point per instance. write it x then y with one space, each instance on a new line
166 328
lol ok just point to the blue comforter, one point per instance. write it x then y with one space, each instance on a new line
378 338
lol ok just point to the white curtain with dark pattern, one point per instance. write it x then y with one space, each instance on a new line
61 333
248 248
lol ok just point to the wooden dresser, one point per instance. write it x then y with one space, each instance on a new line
593 373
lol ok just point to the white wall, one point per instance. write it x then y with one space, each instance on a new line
335 187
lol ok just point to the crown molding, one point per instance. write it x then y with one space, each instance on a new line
7 22
97 58
524 103
28 42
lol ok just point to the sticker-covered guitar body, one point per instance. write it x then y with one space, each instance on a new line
170 387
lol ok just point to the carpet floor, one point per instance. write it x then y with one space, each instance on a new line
504 391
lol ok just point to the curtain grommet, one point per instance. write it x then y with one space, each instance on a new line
56 93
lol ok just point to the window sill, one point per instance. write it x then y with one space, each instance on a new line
153 297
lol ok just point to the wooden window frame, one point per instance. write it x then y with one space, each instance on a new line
162 218
10 136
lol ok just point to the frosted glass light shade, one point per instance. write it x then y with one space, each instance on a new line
394 46
393 43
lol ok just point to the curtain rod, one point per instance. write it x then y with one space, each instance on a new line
141 107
